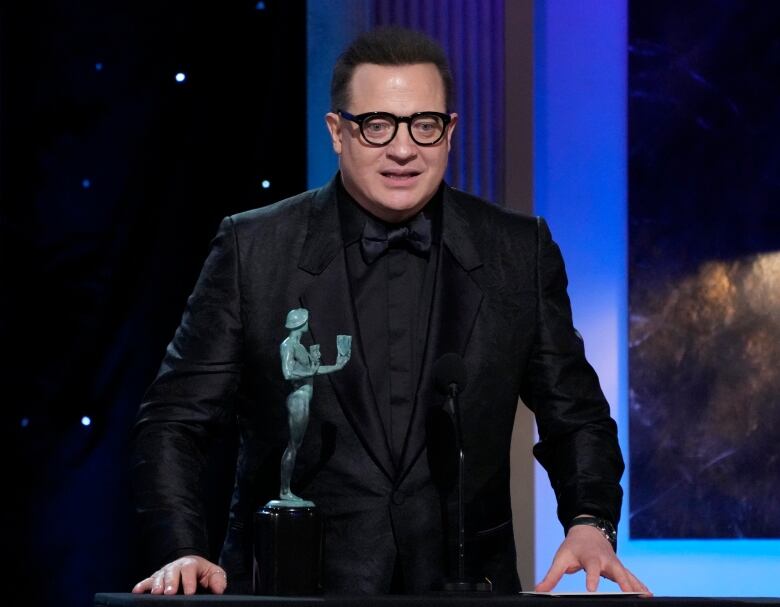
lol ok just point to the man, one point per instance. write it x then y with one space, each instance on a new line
390 254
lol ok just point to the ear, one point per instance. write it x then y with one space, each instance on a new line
333 122
450 129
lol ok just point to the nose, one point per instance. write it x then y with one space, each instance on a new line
402 148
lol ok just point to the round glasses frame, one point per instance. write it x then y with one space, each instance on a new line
361 119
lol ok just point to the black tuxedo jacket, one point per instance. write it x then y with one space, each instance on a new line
500 302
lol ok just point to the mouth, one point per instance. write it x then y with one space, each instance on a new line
400 176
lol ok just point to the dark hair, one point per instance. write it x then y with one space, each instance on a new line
387 46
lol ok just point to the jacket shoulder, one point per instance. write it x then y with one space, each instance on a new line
286 211
484 215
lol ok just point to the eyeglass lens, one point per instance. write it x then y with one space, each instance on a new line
425 129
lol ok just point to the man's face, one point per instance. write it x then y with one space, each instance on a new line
395 181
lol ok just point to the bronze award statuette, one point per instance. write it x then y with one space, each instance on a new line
288 531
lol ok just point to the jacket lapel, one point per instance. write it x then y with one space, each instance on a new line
331 312
456 302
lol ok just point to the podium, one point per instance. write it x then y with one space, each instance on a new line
438 600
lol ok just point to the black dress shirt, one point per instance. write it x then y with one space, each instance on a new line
392 298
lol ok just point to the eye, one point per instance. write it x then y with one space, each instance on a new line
377 126
427 127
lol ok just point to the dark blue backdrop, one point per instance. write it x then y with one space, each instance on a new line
704 257
114 178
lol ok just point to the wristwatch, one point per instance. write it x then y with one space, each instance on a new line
607 529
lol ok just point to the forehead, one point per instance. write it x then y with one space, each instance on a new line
396 88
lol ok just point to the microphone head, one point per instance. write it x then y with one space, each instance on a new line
449 369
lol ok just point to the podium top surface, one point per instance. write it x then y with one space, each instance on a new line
470 600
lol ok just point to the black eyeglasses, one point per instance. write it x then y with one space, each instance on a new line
379 128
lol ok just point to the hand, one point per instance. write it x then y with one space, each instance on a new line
586 548
192 570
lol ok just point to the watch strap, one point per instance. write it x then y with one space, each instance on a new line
606 528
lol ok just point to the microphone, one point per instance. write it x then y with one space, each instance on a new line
451 378
449 374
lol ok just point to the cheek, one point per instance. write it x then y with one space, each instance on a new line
359 160
437 162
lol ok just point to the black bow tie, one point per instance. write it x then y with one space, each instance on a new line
377 238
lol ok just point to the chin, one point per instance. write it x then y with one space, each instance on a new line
398 209
406 201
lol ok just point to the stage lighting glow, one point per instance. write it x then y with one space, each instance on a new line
25 421
86 183
181 77
85 421
266 184
98 66
260 6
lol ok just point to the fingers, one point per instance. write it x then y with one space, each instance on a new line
189 578
171 578
153 584
627 581
553 576
157 582
218 582
638 585
144 585
583 550
634 584
644 588
187 573
621 578
594 571
215 580
592 574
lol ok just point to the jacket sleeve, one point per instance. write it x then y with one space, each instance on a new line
578 444
187 406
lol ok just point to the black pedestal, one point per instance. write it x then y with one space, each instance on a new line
288 551
467 585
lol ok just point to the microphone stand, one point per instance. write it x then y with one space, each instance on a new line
461 583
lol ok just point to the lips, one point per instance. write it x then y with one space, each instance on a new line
400 176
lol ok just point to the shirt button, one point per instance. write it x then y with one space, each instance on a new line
398 498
